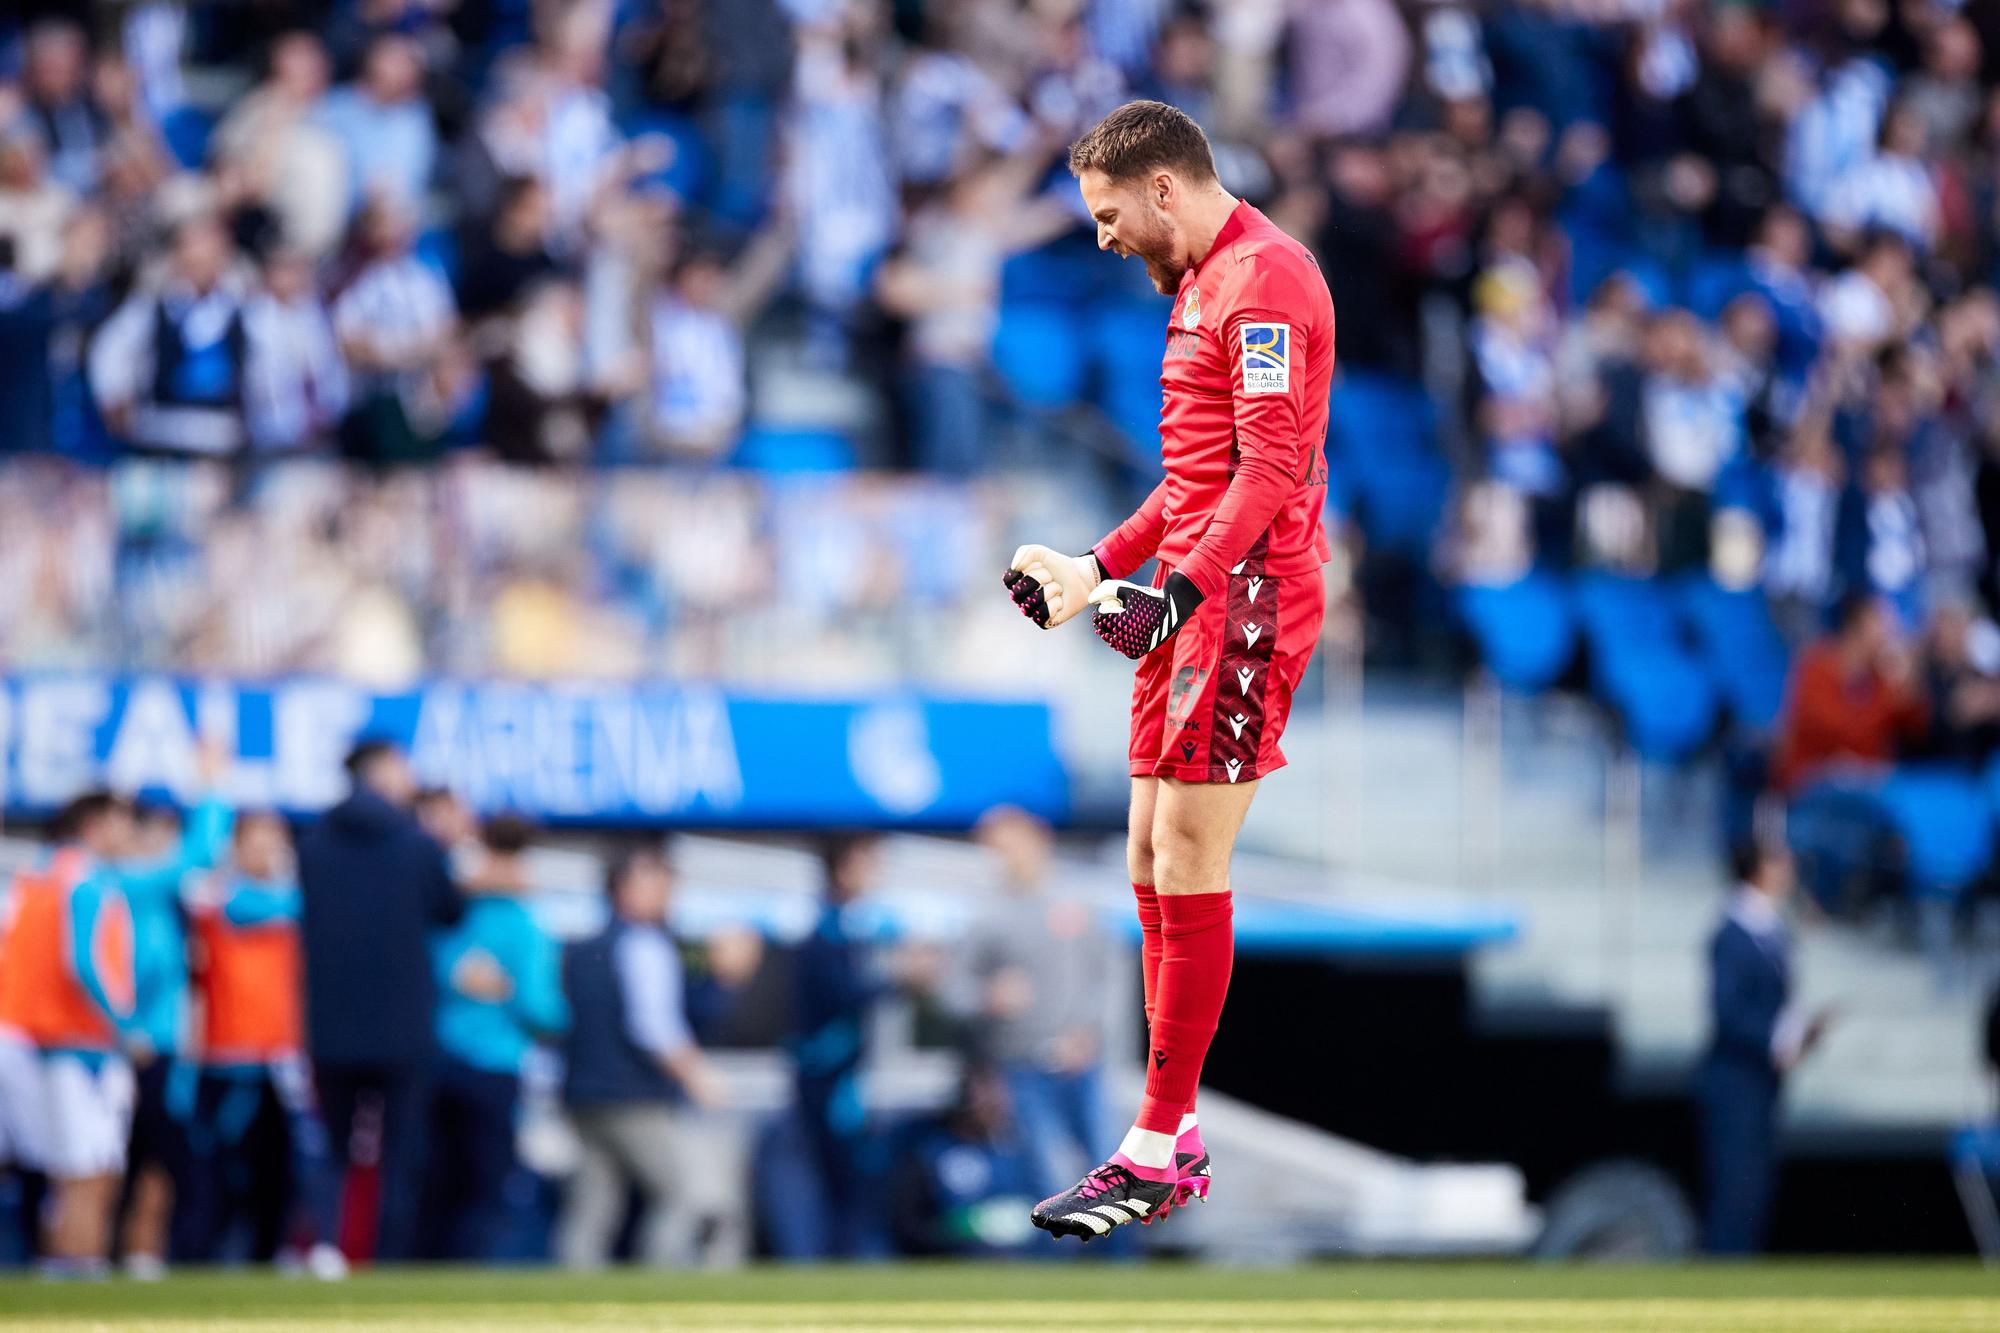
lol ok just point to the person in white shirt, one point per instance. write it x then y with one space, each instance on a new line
1893 190
170 369
397 324
297 385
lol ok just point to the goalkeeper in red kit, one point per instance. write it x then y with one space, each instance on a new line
1223 633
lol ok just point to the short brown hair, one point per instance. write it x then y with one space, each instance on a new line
1144 136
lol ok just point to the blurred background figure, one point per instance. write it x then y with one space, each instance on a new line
966 1179
171 369
1756 1037
1044 1001
166 852
261 1183
499 979
635 1084
839 975
397 324
68 988
373 889
1852 705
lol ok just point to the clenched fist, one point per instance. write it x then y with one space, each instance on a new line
1049 586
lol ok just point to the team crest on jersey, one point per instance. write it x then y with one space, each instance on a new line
1267 358
1191 312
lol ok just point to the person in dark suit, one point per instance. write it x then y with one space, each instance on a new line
1757 1035
373 887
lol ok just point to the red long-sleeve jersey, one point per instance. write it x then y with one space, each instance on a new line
1244 383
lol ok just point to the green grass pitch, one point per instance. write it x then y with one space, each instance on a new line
1828 1296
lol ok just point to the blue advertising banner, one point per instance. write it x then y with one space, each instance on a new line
577 753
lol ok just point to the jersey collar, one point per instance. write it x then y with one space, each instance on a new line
1232 227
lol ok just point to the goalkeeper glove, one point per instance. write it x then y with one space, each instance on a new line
1135 620
1048 586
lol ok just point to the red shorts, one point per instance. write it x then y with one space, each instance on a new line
1211 704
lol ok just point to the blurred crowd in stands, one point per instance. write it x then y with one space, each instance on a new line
1634 297
397 1039
476 569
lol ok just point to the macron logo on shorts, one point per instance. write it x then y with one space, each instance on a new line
1267 358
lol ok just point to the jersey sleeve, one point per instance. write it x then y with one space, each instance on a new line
252 904
91 938
1264 335
1135 540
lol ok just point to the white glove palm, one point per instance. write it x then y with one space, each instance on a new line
1048 586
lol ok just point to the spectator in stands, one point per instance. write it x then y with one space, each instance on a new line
1778 264
1853 699
397 326
1946 92
170 370
1756 1036
1963 683
580 153
1892 190
1798 567
633 1074
282 157
946 284
1835 131
55 70
1878 539
1692 425
1361 248
1874 302
1349 63
1512 350
509 254
1043 1000
696 330
297 384
384 126
259 1148
540 404
27 389
840 187
499 979
34 206
374 887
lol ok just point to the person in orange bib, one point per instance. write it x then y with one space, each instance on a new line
259 1145
66 988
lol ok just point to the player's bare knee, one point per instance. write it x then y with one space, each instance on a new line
1182 860
1139 856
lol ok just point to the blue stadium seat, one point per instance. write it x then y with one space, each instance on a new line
1038 350
692 167
1595 257
1526 630
437 249
1640 667
783 449
1050 273
1381 438
1714 280
186 130
1126 338
1946 825
1740 648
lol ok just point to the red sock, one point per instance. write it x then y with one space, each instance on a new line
1149 944
1198 945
